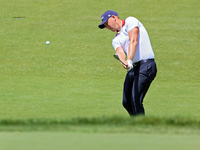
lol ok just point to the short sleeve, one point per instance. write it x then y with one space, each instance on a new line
115 44
131 22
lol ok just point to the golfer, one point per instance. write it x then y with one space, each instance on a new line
133 47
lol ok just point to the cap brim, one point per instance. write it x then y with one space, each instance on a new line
101 26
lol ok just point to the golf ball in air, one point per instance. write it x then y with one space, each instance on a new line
47 42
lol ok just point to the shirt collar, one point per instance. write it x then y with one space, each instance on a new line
123 23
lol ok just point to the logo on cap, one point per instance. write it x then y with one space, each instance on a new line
102 18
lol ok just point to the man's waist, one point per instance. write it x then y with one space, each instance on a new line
142 62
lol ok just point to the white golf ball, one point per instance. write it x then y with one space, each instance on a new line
47 42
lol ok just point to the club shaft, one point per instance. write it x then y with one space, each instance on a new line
116 56
123 63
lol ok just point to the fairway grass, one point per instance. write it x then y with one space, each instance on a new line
68 94
77 76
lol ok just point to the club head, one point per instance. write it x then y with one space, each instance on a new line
116 56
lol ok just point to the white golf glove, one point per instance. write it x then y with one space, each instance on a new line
130 64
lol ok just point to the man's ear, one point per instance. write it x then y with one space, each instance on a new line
114 17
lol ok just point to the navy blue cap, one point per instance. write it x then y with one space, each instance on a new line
106 16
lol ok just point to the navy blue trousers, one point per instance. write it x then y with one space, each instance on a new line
136 85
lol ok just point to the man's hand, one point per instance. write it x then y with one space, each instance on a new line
130 65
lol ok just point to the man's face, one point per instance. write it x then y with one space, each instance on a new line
111 24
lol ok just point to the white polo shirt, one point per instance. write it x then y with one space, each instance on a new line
144 48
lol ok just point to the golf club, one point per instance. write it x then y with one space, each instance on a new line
116 56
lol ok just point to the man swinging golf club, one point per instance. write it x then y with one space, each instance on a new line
133 48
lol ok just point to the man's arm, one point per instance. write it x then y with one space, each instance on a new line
133 37
121 55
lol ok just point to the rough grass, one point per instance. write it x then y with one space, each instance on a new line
115 124
139 120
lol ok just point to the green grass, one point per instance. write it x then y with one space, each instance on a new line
76 77
76 74
76 141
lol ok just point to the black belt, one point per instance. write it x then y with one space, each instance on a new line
142 62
